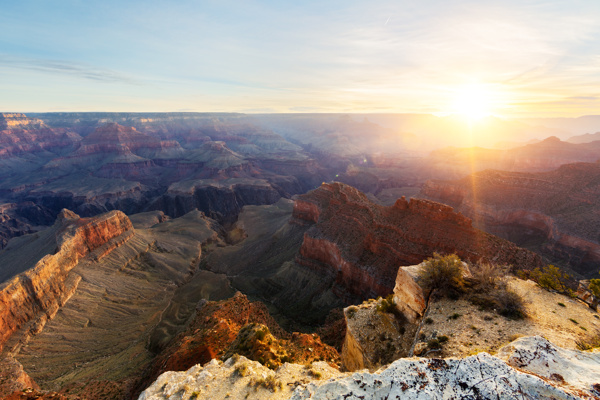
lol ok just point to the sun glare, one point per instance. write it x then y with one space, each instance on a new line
472 102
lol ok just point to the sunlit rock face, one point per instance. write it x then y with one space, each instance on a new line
38 290
362 244
555 211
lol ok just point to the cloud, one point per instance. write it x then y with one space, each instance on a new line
77 70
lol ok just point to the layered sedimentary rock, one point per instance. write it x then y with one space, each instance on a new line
20 135
145 281
555 212
47 285
361 244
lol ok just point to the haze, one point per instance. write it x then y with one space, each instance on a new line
525 59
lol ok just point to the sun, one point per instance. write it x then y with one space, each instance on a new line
472 102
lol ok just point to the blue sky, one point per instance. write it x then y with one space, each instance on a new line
529 58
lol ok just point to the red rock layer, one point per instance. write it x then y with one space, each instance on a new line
362 244
48 285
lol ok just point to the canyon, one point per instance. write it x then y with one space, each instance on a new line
277 248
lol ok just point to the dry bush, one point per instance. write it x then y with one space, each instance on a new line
444 275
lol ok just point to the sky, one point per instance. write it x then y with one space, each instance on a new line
521 58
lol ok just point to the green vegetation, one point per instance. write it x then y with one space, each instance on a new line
561 304
573 321
595 287
242 369
429 320
443 274
589 344
388 305
549 278
455 316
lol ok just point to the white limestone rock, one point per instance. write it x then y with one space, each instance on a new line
477 377
534 369
578 370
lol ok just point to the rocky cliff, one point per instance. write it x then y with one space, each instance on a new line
556 211
38 292
361 244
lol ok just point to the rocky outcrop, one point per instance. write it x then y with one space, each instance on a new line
557 209
535 369
237 326
376 335
361 244
576 371
38 292
408 296
13 377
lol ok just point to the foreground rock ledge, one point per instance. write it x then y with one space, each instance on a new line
541 374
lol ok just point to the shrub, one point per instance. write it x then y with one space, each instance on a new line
443 274
561 304
242 369
595 287
454 316
589 344
434 344
269 383
429 320
486 275
388 305
352 311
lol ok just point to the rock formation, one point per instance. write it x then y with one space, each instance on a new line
361 244
556 210
38 292
376 335
145 281
21 135
535 369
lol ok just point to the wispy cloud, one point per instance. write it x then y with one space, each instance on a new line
72 69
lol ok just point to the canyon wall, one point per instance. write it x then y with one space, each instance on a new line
362 244
41 290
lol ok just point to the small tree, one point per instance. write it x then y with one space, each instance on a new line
443 274
595 287
551 278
